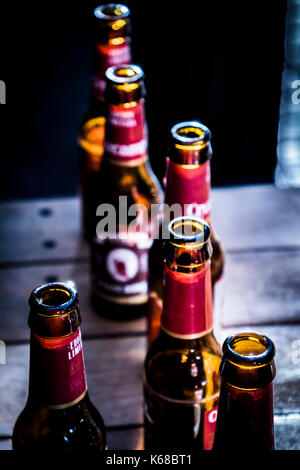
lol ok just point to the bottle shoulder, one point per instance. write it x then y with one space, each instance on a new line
138 183
41 426
183 369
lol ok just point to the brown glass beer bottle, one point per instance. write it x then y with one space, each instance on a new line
187 191
112 34
245 414
181 371
126 182
58 414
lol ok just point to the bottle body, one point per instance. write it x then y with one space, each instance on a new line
112 47
181 393
245 416
187 193
126 189
181 371
58 411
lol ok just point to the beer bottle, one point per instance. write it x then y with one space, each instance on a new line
245 415
112 34
126 182
181 371
187 191
58 414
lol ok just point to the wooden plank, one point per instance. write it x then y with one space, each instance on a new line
244 216
259 288
287 432
17 283
114 376
256 216
5 444
41 229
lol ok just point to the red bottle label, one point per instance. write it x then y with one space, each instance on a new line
187 303
57 369
189 186
126 133
210 418
108 56
120 267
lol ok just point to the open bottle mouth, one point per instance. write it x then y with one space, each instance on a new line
189 243
188 229
126 73
249 349
111 11
190 133
54 298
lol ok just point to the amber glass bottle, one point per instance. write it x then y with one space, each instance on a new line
126 182
245 416
187 193
58 415
112 47
181 372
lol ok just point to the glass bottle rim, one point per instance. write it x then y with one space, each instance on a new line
265 354
201 227
102 11
124 73
64 298
190 133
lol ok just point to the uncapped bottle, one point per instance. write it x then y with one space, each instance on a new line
187 192
181 371
112 33
245 415
58 415
124 196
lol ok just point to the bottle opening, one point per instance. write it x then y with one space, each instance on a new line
54 296
124 74
249 349
111 11
189 229
190 132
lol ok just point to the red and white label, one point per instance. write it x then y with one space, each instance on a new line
57 368
108 56
210 418
187 302
120 266
126 132
189 186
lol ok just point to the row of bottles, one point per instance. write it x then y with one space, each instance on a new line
117 179
196 396
164 266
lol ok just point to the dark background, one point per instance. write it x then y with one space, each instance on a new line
219 62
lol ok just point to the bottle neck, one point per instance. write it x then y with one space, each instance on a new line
57 374
189 186
116 52
126 142
187 302
245 418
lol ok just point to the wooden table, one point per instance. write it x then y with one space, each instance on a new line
260 228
